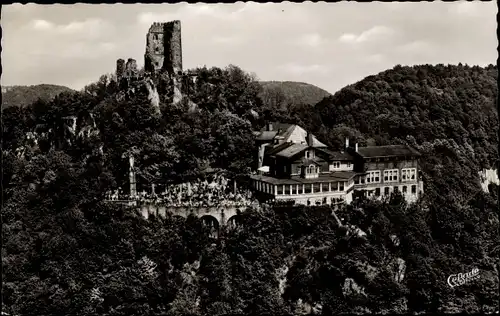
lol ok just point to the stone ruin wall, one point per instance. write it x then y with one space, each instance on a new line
155 48
120 68
163 47
163 56
131 68
173 44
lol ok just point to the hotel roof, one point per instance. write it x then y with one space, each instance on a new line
326 177
292 150
337 155
387 151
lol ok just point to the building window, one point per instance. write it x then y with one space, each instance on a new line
373 177
311 169
348 164
341 186
335 186
287 189
294 189
391 175
336 164
408 174
386 191
316 187
356 180
414 189
377 191
396 189
307 188
299 170
405 189
325 186
307 154
280 189
300 191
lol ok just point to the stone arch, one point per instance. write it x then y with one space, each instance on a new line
212 223
234 221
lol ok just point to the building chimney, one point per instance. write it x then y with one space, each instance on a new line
309 139
269 127
356 147
346 143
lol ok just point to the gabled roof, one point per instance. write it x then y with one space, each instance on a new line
308 162
387 151
337 155
284 131
292 150
271 150
265 135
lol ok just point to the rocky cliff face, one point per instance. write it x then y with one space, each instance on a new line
488 176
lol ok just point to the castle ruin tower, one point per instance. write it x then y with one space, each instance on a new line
120 69
163 48
131 68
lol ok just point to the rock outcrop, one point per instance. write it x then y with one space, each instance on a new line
153 95
488 176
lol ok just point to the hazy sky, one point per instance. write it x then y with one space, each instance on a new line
327 44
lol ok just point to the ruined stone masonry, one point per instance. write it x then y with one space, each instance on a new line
163 56
120 69
163 48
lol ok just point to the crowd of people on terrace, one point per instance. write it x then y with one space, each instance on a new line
206 193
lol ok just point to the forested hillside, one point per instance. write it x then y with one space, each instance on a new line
25 95
64 251
283 94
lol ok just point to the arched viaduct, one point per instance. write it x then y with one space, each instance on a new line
216 216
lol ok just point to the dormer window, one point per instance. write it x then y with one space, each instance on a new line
307 154
311 169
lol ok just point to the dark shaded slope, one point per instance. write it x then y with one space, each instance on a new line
282 93
427 102
25 95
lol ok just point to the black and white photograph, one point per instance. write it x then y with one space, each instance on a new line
288 158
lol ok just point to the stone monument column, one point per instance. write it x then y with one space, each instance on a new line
133 189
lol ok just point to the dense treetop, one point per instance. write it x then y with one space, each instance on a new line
64 251
25 95
283 94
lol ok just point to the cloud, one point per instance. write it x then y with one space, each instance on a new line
313 40
418 46
188 11
42 25
373 34
89 27
299 69
375 58
227 40
468 9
